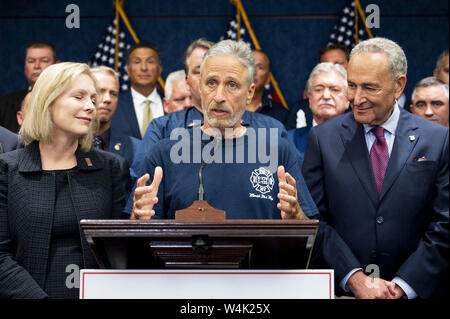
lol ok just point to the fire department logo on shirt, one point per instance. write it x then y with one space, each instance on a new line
262 180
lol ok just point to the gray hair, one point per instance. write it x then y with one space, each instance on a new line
430 81
199 43
440 61
396 57
239 49
106 70
175 76
326 67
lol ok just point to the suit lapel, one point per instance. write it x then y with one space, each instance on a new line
356 151
129 114
401 150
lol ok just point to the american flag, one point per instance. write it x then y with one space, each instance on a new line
344 30
105 54
231 34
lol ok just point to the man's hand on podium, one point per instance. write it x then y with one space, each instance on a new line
288 205
145 196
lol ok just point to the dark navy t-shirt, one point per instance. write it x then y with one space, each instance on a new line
239 178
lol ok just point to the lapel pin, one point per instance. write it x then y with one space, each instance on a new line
117 146
88 161
412 138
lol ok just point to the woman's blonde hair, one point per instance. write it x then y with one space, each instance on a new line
51 84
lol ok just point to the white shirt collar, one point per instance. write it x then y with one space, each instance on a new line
391 124
401 101
138 98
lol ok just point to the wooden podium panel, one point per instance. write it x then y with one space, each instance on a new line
228 244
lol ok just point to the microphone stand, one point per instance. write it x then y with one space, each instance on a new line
200 210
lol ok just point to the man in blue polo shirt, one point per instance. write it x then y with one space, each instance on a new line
251 173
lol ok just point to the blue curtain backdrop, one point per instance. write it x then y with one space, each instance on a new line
290 31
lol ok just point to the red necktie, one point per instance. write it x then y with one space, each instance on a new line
379 156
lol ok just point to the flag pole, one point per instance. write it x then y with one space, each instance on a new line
238 19
133 34
356 24
127 23
363 17
116 54
241 11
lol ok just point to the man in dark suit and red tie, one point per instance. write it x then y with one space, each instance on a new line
380 179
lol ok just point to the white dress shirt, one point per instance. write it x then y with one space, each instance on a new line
301 119
139 105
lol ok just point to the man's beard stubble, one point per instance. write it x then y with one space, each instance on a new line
221 124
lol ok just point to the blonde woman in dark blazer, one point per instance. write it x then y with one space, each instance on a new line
56 180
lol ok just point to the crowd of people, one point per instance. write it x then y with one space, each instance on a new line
356 154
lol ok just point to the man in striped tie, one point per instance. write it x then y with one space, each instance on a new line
379 177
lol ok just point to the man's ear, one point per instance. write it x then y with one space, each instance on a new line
165 106
435 72
160 70
400 86
268 79
19 117
251 91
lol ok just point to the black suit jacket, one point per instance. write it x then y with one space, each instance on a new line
405 230
9 105
99 189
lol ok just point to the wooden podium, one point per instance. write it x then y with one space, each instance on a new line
187 244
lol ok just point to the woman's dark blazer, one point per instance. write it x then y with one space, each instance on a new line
99 189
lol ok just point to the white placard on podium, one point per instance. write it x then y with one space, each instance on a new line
206 284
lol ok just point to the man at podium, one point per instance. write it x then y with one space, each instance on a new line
248 172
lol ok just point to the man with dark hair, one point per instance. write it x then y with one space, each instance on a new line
139 106
335 53
38 56
262 102
441 70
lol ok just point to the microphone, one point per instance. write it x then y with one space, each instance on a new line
201 189
200 210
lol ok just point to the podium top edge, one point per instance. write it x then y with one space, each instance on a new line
174 222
